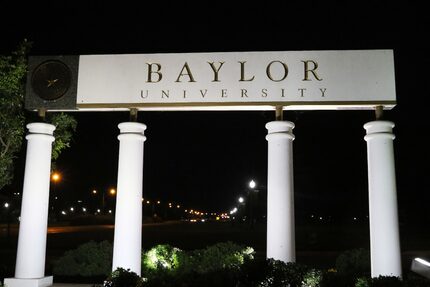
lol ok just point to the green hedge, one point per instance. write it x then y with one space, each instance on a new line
88 260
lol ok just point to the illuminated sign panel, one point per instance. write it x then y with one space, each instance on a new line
356 79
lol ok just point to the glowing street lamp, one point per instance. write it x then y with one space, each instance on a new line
252 184
241 199
112 191
55 177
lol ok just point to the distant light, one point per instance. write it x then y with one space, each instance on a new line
6 204
241 200
55 177
79 201
94 191
217 218
203 220
355 218
84 209
321 218
178 206
110 211
98 210
252 184
158 202
63 212
56 197
72 209
148 202
112 191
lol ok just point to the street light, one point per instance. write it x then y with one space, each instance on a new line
252 202
112 191
55 177
241 199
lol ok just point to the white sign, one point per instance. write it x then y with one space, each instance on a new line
354 79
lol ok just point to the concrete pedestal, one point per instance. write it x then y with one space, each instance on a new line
280 192
39 282
128 216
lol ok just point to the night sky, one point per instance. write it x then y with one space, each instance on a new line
204 160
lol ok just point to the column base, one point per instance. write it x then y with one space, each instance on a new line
32 282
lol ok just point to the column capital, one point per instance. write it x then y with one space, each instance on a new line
378 129
278 129
132 127
132 130
41 128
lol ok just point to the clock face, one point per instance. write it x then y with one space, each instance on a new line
51 80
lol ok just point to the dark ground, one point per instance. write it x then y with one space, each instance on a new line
318 245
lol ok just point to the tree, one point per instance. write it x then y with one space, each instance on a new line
13 70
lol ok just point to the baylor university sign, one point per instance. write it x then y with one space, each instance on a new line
359 79
246 80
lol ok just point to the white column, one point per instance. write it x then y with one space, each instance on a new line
384 229
30 259
280 192
128 216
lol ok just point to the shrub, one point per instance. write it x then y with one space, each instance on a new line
123 278
224 255
89 259
252 272
164 264
283 274
362 282
330 278
312 278
162 258
353 264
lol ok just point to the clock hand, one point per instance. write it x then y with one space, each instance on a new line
51 82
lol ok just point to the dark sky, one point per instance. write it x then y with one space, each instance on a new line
205 159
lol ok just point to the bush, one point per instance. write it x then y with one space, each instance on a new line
88 260
274 273
224 255
353 264
123 278
362 282
312 278
161 258
330 278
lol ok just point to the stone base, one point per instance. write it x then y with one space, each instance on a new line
34 282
